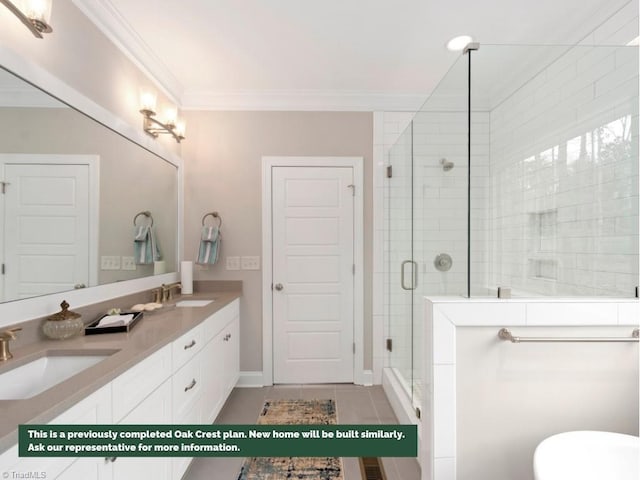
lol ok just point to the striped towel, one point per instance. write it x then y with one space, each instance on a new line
145 247
209 246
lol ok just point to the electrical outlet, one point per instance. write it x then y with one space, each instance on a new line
250 263
233 263
128 263
110 262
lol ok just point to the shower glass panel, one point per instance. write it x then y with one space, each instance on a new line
554 175
427 221
519 171
399 257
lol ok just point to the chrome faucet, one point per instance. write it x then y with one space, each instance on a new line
5 338
167 291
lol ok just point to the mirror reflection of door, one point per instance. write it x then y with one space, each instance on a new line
46 224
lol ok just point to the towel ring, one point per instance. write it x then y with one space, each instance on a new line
146 213
214 215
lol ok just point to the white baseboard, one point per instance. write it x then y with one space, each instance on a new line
367 378
256 379
250 380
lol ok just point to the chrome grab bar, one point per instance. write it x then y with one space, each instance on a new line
505 334
414 275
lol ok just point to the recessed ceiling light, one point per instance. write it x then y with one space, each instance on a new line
457 44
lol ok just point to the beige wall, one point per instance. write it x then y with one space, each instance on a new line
512 396
222 163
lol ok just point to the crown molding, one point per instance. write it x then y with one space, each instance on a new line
301 101
108 19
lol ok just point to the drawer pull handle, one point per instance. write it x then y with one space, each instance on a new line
192 344
191 385
110 459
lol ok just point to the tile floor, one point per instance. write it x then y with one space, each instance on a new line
355 404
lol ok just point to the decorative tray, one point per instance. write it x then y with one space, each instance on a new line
94 329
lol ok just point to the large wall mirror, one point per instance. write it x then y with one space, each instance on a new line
71 191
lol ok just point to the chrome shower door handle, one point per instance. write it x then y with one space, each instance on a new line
414 275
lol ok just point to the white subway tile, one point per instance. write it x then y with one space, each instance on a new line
444 340
444 411
499 313
444 468
629 313
542 314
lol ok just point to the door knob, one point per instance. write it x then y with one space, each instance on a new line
78 286
279 286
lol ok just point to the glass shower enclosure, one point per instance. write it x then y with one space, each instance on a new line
520 171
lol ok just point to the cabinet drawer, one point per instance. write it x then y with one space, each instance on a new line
185 347
134 385
94 409
216 322
186 393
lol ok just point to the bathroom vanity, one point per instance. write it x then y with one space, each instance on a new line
178 366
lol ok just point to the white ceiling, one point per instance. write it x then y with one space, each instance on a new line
329 54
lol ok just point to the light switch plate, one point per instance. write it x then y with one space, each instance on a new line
128 263
233 263
250 263
110 262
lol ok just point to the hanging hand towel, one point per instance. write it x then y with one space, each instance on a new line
145 247
209 246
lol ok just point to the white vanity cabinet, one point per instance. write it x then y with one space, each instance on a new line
187 404
133 386
155 409
184 382
221 359
94 409
203 383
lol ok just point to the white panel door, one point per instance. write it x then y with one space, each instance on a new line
313 256
46 229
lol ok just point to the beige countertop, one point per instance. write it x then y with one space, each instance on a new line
155 330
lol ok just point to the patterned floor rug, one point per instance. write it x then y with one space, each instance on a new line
291 412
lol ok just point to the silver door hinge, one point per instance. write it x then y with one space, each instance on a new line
389 171
418 412
354 348
389 345
4 186
353 269
3 269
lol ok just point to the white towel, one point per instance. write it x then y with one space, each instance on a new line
115 320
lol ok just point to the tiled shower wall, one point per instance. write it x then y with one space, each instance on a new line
564 165
439 201
532 140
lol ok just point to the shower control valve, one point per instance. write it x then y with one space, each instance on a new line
443 262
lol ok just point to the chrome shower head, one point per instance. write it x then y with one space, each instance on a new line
446 164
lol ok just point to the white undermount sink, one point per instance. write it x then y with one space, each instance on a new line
193 303
35 377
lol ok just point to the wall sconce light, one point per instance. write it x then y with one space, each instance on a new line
35 14
170 125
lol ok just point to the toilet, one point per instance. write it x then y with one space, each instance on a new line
588 455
